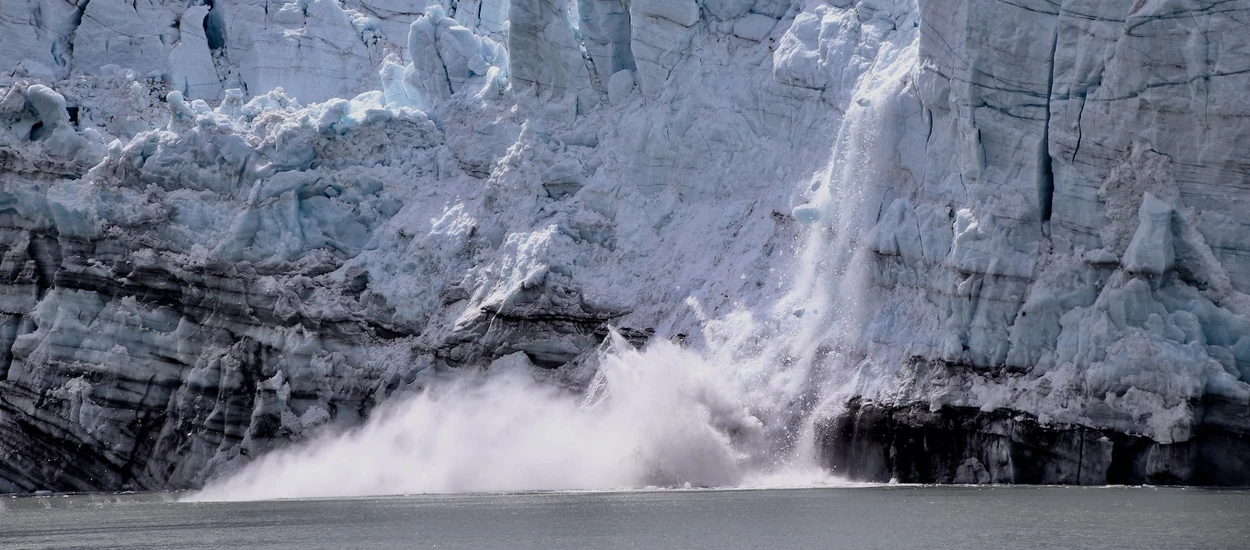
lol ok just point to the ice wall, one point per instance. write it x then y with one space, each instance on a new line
1064 283
315 49
1001 226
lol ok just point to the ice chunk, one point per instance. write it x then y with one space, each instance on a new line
397 89
57 133
605 26
49 105
800 56
477 64
191 68
446 58
1151 251
754 26
620 85
807 214
545 54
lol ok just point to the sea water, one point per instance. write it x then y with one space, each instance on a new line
885 517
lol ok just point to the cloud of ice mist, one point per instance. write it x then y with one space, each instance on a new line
663 416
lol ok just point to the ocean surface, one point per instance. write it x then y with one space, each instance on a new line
886 517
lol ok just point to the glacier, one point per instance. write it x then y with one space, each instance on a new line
341 247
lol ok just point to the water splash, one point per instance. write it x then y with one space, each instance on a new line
663 417
738 413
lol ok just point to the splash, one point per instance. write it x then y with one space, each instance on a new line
737 413
663 417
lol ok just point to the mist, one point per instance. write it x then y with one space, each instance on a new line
661 417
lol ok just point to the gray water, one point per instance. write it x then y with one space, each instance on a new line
887 517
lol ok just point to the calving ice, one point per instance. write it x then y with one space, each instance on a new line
484 246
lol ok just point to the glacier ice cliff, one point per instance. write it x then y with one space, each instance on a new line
956 241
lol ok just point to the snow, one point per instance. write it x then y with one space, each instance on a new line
826 199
